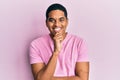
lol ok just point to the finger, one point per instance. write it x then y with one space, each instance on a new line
58 37
59 34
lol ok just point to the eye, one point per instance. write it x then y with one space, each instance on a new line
62 19
51 20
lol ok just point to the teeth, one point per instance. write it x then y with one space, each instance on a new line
57 29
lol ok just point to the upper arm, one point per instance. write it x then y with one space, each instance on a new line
36 68
82 70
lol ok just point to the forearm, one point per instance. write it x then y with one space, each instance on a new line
83 75
48 71
67 78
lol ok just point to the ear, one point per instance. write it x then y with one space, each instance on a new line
67 21
46 23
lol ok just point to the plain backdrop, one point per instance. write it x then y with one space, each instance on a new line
97 21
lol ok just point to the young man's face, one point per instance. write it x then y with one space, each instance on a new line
57 22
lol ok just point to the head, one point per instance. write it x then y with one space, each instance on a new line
56 18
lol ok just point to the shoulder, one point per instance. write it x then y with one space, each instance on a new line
76 40
75 37
40 39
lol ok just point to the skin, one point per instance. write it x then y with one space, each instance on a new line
45 72
57 19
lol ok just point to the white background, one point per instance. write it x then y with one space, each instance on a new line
97 21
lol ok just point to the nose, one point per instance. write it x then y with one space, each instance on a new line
57 23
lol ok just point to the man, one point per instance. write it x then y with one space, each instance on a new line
59 55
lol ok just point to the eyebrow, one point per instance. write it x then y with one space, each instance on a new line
50 18
61 17
54 18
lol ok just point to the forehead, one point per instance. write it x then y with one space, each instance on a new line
56 14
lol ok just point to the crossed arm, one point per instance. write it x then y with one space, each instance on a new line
46 72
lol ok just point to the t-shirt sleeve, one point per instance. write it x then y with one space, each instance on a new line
82 52
34 53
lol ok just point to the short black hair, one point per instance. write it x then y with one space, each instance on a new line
56 6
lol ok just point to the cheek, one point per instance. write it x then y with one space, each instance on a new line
49 25
65 25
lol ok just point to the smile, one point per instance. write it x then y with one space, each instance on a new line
57 29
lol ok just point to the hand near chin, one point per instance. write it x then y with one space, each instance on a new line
58 37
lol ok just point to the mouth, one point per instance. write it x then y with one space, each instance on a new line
57 29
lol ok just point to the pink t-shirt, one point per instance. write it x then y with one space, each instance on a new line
73 50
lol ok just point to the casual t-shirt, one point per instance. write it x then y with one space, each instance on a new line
73 50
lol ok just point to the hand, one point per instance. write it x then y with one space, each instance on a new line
58 37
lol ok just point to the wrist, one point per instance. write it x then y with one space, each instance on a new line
56 53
